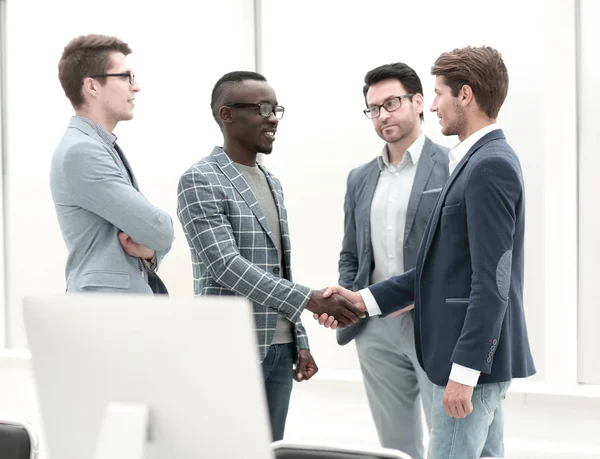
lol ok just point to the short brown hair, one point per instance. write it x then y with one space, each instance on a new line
480 68
85 56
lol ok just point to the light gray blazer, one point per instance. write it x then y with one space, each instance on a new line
94 200
356 258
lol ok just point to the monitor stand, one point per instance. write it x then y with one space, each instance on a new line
124 431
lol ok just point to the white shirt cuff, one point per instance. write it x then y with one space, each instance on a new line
370 302
464 375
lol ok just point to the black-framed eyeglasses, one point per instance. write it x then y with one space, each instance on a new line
390 105
129 75
264 108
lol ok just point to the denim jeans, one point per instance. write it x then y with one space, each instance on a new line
479 434
278 372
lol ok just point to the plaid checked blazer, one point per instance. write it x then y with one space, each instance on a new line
232 248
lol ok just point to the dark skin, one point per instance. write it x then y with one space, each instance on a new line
306 367
245 134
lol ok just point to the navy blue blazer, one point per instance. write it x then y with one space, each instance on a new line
467 284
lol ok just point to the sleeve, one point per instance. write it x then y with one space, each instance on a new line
100 187
492 192
348 262
396 293
301 336
464 375
201 211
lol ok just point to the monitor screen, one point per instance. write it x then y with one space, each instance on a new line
192 361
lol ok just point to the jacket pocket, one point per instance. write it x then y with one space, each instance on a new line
457 300
113 279
451 209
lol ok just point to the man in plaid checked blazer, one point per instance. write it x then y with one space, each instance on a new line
235 222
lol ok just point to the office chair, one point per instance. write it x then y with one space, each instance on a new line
287 450
17 441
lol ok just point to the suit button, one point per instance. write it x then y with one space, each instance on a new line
493 348
494 342
276 270
489 360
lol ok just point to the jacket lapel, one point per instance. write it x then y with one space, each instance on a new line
129 170
284 231
236 178
277 194
371 179
424 168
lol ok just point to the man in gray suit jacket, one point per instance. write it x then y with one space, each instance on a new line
113 234
388 202
233 215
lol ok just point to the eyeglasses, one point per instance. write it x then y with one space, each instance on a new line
264 108
129 75
390 105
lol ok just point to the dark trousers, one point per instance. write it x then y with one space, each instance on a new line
278 371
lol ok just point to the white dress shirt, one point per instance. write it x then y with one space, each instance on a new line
388 211
458 373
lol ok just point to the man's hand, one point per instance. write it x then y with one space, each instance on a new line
305 366
334 306
353 297
134 249
457 400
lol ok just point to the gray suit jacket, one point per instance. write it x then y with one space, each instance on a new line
356 258
94 199
232 249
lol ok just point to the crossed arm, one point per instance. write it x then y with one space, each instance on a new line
99 186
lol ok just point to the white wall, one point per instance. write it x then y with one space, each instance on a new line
317 68
589 190
180 49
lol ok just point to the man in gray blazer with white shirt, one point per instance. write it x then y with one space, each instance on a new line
113 234
387 205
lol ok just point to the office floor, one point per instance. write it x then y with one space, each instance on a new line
537 426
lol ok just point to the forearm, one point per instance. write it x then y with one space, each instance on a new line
248 280
394 294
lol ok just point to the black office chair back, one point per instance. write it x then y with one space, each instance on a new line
17 441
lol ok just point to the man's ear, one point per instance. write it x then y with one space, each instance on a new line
225 115
419 102
465 95
90 87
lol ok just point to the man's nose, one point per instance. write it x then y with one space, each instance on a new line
383 114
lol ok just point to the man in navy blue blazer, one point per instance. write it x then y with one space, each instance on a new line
467 286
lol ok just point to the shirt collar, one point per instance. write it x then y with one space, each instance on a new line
109 138
460 150
413 153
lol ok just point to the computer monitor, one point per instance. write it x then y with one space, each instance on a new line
192 361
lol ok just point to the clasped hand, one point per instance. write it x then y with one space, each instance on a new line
336 306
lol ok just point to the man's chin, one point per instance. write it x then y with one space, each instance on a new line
265 150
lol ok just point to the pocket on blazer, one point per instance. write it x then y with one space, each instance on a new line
457 300
113 279
451 209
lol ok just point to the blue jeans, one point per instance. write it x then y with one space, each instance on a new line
480 434
278 372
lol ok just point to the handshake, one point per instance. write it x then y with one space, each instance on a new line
336 307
